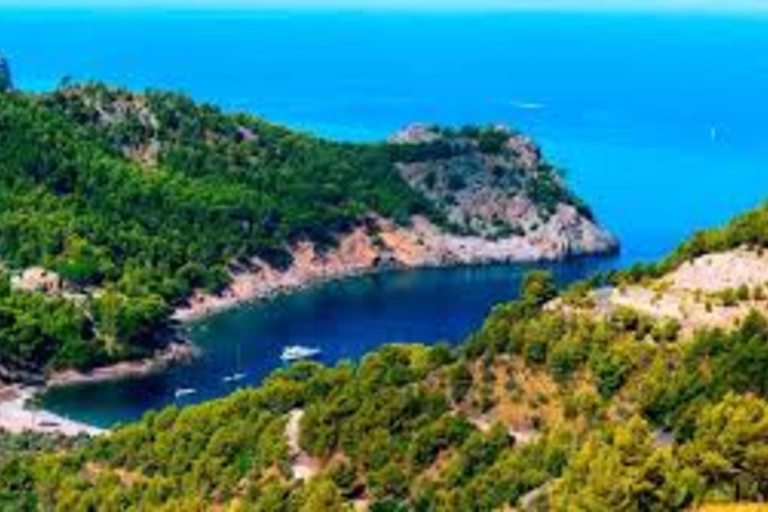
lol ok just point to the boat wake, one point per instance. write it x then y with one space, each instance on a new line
527 105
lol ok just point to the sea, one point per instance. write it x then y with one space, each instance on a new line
660 121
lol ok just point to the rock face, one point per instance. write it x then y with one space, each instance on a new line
504 202
6 81
383 245
493 183
38 279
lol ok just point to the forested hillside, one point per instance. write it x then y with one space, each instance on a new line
541 409
134 201
561 401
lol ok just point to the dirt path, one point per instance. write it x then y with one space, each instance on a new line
303 466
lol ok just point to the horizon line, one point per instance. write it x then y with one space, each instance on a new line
431 6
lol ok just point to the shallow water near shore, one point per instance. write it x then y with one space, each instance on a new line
661 122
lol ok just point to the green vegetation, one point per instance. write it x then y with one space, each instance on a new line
138 200
74 203
37 328
581 413
6 82
747 230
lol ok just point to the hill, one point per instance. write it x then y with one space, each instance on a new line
561 401
121 211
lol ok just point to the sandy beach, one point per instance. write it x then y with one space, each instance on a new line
16 418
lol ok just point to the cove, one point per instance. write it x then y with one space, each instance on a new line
626 103
345 319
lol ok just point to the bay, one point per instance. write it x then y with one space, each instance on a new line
660 121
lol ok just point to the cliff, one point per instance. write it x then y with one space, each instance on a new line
494 183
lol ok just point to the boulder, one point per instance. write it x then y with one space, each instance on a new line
38 279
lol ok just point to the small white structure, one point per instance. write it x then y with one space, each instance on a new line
38 279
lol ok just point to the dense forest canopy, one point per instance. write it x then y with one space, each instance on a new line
137 200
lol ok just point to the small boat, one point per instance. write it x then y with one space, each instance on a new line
237 377
182 392
297 353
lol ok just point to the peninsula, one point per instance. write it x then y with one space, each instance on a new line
124 212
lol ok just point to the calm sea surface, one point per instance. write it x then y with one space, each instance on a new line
661 121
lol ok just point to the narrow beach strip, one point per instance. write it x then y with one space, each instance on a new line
16 417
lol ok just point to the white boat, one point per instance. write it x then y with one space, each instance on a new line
297 353
237 377
182 392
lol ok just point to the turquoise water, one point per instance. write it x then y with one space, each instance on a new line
661 122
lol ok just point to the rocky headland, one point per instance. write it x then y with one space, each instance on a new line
503 203
185 209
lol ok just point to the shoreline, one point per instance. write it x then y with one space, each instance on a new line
176 352
203 307
358 255
16 417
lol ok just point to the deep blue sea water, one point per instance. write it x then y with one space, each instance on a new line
661 121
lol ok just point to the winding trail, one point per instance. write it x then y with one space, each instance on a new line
303 466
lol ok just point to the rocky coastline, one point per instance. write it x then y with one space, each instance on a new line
389 247
175 353
502 201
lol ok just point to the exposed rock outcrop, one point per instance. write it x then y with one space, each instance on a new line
494 183
717 290
38 279
383 245
505 203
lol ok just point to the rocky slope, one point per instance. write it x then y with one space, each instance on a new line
503 204
717 290
495 184
384 245
492 195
